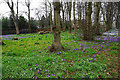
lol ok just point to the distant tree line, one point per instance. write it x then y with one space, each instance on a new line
8 25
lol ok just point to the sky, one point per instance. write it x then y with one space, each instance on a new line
5 11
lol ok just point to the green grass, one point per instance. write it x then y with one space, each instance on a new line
30 58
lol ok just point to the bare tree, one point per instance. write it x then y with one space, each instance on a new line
15 18
38 14
27 3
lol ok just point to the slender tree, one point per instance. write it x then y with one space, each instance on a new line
63 15
107 10
46 12
79 7
75 28
97 25
70 23
51 17
27 3
56 45
11 6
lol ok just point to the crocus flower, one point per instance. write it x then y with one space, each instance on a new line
36 77
67 62
93 67
47 75
30 68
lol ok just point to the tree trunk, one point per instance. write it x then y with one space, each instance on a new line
70 24
63 21
15 22
88 29
85 26
51 19
29 19
90 32
56 45
13 15
75 28
104 19
46 13
97 25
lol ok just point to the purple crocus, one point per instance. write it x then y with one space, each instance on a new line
93 67
83 76
53 75
89 68
67 62
94 58
47 75
30 68
93 55
36 77
45 70
87 74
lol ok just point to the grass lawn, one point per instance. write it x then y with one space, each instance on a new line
30 57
